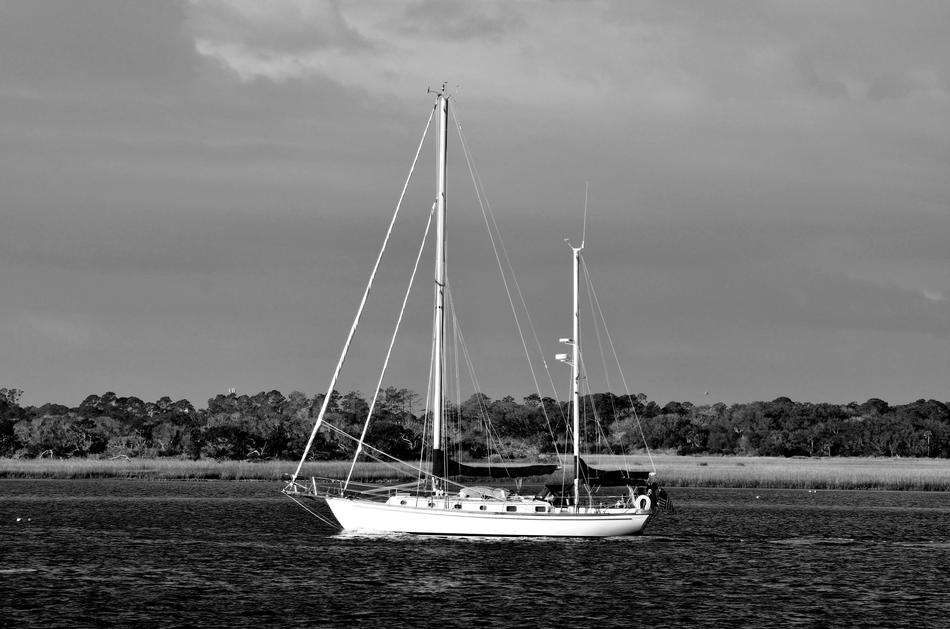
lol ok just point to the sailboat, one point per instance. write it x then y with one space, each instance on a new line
439 505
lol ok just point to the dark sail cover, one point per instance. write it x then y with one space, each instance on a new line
445 466
610 478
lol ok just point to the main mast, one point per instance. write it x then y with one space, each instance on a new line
438 403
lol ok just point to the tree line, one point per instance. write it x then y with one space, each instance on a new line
269 425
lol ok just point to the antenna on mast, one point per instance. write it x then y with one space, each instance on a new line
584 231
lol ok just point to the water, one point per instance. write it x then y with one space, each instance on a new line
140 553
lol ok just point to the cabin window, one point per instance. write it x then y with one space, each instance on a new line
402 502
458 505
482 507
511 508
541 509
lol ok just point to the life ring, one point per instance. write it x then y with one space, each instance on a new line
642 503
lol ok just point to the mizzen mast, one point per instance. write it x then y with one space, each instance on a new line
575 380
574 362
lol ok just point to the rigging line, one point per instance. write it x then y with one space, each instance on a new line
603 359
625 459
459 341
314 514
592 403
370 450
483 203
377 455
587 401
623 379
492 436
457 416
433 367
600 346
392 342
485 414
479 186
457 367
359 312
425 415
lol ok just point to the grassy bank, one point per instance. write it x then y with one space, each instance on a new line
674 471
180 469
805 473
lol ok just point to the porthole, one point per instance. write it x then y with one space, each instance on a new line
482 507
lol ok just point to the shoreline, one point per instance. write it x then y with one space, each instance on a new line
672 471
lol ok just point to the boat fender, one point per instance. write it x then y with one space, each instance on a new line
642 503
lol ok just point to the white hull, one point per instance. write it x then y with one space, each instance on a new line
369 516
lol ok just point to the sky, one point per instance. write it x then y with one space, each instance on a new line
193 193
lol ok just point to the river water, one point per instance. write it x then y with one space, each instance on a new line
214 554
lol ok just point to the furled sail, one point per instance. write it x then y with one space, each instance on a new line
444 466
611 478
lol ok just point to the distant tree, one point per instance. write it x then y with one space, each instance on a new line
269 425
10 413
10 396
874 406
61 436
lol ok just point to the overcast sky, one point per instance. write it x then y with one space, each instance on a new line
192 194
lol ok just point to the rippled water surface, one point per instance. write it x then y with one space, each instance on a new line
139 553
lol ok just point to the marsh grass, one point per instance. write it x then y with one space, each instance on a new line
799 473
673 471
184 469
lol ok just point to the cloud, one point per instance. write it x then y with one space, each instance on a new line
834 301
60 45
453 20
911 84
384 47
106 243
288 26
591 57
278 41
51 333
